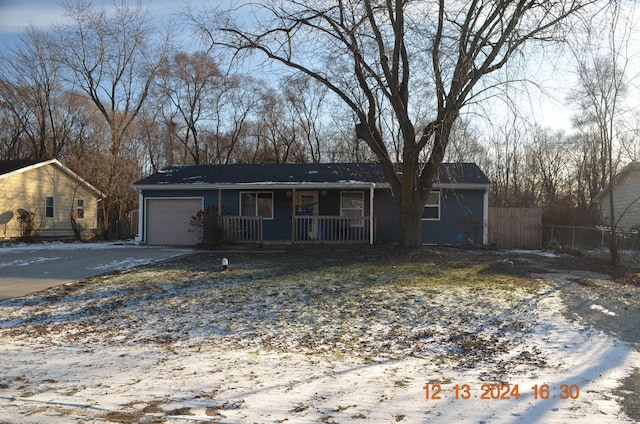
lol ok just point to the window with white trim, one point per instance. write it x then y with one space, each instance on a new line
352 205
49 207
256 203
432 206
80 209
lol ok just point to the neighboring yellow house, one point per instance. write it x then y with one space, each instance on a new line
45 195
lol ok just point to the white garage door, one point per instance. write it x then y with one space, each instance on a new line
168 221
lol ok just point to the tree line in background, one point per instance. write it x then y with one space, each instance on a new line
113 100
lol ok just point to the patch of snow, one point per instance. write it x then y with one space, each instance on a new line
121 265
542 253
603 310
20 262
58 245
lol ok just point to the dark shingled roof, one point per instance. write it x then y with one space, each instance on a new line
450 173
7 166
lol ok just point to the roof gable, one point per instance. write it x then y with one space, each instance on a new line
278 174
625 172
9 166
12 167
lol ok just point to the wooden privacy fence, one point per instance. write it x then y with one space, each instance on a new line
515 228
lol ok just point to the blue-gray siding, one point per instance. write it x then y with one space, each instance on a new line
461 220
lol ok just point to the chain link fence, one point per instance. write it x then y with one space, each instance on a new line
587 238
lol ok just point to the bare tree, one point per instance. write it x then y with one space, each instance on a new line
188 81
31 90
278 130
508 169
547 157
466 145
12 121
306 99
599 97
363 51
232 106
586 174
112 58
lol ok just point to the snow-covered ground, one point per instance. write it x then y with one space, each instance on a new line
273 340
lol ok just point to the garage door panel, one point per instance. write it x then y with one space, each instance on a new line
168 221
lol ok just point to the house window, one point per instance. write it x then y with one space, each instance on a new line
352 203
80 209
49 211
432 206
256 204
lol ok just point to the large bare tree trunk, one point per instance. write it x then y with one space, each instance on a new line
411 208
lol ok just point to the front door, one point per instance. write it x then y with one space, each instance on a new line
307 206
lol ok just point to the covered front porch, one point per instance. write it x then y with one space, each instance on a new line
327 214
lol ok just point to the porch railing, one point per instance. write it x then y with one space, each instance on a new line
323 229
241 229
306 229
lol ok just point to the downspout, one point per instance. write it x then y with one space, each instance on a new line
371 223
485 218
141 211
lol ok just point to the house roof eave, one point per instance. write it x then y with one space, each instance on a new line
462 186
295 185
254 186
84 182
28 168
61 167
633 166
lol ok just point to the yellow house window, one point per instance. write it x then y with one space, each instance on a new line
49 207
80 209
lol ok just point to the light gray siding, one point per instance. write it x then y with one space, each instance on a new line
626 202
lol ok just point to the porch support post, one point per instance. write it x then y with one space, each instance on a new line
371 226
219 202
141 213
293 215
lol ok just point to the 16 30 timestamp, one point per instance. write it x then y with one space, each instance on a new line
500 391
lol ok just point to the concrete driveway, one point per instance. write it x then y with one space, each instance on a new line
26 269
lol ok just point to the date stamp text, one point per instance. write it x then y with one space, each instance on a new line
436 391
